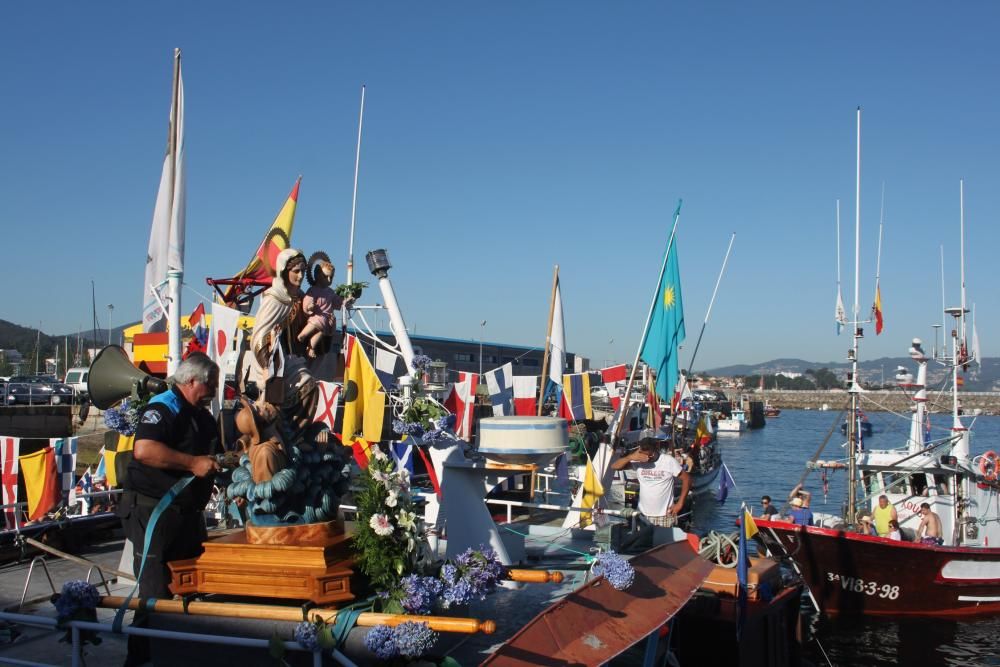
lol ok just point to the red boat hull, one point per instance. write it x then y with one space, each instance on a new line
852 573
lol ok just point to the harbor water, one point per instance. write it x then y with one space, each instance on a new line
771 460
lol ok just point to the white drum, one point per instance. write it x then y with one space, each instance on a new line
522 439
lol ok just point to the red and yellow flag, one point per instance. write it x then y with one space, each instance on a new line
363 402
877 309
41 481
278 237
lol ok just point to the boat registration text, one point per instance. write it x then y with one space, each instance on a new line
858 585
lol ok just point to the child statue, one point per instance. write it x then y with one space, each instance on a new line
320 304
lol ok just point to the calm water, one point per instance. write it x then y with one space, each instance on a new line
771 461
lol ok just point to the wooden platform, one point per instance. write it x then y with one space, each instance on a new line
319 571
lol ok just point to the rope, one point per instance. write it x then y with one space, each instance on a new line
716 543
161 506
551 543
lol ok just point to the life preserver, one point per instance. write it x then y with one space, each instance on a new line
989 464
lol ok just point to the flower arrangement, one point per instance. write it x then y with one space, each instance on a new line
350 289
410 639
125 418
472 575
77 602
388 529
618 571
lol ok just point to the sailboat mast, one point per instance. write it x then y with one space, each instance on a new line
961 248
852 424
175 273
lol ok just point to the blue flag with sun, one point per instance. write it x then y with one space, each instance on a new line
666 327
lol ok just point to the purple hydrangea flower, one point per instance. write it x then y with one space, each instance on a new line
407 428
75 596
381 641
421 362
305 634
474 574
414 638
420 593
618 571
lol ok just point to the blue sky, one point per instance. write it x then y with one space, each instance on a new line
504 138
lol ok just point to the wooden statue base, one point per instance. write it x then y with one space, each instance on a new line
310 562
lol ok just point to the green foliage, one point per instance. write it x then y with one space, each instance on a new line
385 544
424 412
348 289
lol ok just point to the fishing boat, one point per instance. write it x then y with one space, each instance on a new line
957 574
736 422
771 410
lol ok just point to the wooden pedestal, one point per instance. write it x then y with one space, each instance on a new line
316 567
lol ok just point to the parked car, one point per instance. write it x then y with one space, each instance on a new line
37 390
77 379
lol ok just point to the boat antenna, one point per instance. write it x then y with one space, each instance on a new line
93 303
548 339
854 388
645 330
961 238
708 313
354 198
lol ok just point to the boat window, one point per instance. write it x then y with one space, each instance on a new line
462 356
529 362
941 482
869 480
895 483
918 483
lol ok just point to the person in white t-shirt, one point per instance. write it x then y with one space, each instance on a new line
656 472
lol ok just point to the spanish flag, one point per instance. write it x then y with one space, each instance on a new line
261 267
363 400
41 481
877 309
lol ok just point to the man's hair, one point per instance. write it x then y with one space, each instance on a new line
767 498
198 366
924 506
650 445
883 496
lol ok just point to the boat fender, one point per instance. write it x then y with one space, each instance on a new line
988 465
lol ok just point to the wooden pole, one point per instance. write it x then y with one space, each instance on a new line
548 341
294 614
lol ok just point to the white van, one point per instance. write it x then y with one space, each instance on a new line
77 379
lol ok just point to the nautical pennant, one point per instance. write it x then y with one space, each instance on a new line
327 405
65 449
576 396
500 384
363 402
41 481
199 332
9 452
525 394
611 376
461 401
222 339
402 454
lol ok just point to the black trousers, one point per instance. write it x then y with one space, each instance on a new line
177 535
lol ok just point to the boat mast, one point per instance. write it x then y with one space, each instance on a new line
354 199
959 350
175 252
854 389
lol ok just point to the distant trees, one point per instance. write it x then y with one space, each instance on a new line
824 378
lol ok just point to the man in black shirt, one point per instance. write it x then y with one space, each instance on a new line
175 438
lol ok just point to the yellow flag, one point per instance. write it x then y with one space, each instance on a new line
126 443
749 526
592 491
363 397
41 481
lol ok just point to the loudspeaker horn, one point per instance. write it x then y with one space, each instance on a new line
113 377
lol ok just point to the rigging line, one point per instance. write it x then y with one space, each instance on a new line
829 434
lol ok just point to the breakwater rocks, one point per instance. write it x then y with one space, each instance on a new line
894 400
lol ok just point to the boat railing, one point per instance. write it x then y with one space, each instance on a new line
22 506
76 627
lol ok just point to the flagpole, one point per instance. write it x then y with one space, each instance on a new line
175 275
645 330
548 340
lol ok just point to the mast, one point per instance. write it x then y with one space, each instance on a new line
175 252
854 389
960 448
354 198
548 339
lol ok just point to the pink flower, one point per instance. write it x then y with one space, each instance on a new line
381 525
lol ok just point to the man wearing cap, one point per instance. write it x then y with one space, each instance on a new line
656 474
801 515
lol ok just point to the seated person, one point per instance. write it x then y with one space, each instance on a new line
800 514
802 494
894 533
929 530
865 526
768 510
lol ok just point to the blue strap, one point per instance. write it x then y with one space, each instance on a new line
347 618
161 506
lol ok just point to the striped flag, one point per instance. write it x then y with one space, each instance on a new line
199 332
525 393
86 486
611 376
9 451
576 403
461 402
65 449
500 383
